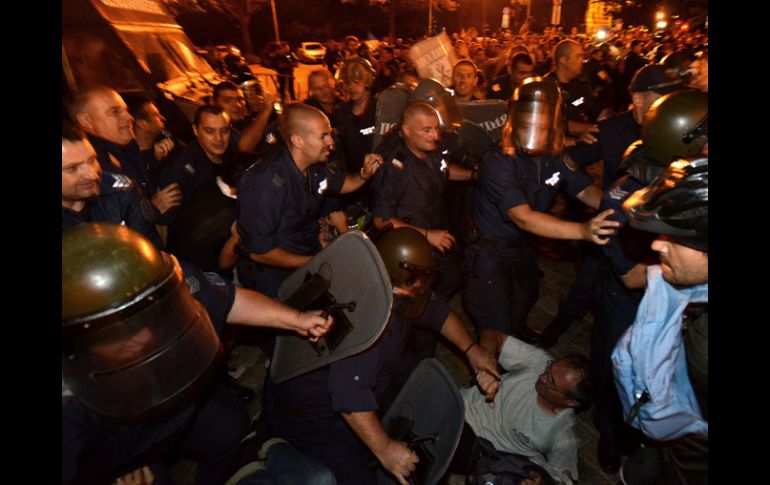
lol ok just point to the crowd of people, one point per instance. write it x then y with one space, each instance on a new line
207 229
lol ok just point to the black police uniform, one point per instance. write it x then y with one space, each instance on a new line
356 134
192 169
132 163
412 190
580 104
617 306
503 284
95 450
306 410
615 135
279 206
118 202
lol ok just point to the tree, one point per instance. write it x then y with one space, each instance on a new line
241 11
393 7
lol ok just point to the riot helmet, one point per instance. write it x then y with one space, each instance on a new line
676 126
675 204
435 94
135 344
534 125
638 162
355 69
409 260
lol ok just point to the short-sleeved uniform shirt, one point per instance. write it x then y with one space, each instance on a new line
357 383
411 189
279 206
505 182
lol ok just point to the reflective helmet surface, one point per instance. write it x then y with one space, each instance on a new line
135 343
534 126
408 258
675 204
676 126
638 162
355 69
435 94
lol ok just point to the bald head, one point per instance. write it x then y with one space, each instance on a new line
420 127
417 108
307 133
298 118
568 59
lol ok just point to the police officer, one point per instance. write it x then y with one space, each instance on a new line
519 67
354 120
676 126
207 172
331 413
515 189
103 115
140 354
89 195
608 144
279 201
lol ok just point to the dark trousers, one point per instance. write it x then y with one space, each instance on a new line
502 286
617 310
329 440
581 294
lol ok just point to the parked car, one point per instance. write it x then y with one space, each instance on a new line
311 52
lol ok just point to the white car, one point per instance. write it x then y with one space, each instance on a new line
311 52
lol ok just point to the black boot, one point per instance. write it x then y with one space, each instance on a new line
554 330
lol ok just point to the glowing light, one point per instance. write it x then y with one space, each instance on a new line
601 34
661 24
660 16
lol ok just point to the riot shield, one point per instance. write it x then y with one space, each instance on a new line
490 114
428 416
473 140
348 280
390 105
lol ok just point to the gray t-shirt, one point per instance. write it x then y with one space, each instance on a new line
514 422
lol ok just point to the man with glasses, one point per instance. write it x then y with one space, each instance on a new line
531 410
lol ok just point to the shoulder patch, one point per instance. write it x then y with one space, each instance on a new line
277 180
617 193
189 168
120 181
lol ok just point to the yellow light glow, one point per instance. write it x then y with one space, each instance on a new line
661 24
659 15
